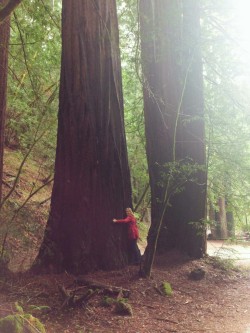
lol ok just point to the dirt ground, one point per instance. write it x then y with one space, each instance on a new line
220 302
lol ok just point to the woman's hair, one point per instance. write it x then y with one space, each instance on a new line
129 211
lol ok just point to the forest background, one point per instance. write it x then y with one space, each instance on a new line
31 115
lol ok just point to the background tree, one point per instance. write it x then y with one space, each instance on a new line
160 23
189 224
174 122
226 77
92 181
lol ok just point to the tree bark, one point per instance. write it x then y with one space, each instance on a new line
174 123
160 45
92 179
4 46
186 231
222 218
7 9
230 224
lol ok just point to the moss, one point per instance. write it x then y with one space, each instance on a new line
107 301
19 309
34 324
21 323
167 289
122 307
11 324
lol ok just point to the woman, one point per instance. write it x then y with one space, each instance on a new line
133 235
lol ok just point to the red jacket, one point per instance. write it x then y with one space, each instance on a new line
133 232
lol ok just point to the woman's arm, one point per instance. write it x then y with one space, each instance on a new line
126 220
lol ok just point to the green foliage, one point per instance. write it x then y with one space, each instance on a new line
227 108
175 175
133 99
143 230
202 225
224 264
34 64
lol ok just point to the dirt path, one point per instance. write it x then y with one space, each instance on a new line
240 253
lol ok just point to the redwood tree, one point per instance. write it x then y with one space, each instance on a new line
189 228
173 107
92 180
8 7
160 46
4 44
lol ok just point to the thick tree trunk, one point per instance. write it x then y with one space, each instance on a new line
4 45
190 143
174 123
160 37
92 180
7 9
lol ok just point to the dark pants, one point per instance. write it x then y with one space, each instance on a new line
134 252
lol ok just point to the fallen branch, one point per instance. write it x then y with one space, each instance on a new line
79 296
168 320
107 289
76 297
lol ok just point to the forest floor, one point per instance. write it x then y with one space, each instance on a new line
220 302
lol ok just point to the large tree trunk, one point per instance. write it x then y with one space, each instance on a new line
4 45
92 180
7 9
174 124
191 238
160 38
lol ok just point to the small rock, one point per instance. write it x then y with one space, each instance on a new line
197 274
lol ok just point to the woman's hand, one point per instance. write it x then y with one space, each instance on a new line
114 220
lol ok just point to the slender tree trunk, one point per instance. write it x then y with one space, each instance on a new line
212 217
230 224
92 180
4 45
222 218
